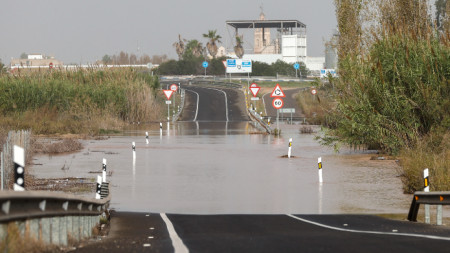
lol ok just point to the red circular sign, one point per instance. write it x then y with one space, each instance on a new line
314 91
50 65
174 87
253 85
277 103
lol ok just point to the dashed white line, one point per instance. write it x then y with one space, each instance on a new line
370 232
177 243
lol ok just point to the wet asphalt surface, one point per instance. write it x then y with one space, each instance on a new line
148 232
145 232
212 103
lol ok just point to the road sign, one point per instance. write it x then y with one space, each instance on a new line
168 93
50 65
168 102
314 91
239 66
296 66
174 87
254 89
277 103
287 110
254 85
277 92
205 64
255 98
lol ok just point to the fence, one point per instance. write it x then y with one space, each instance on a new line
20 138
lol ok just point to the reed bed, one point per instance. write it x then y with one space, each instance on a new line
393 90
82 101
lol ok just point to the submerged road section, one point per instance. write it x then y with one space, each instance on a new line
145 232
212 104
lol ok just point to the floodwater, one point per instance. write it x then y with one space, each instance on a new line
224 168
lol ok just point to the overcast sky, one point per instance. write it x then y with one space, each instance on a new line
85 30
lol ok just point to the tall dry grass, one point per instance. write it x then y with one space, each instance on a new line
82 101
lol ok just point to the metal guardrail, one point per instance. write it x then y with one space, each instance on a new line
430 198
51 217
256 117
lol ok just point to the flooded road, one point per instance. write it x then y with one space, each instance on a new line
221 168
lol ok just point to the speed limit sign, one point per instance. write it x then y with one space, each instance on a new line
277 103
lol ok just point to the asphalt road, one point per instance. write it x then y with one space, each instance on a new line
141 232
213 104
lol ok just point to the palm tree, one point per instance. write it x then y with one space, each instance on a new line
197 49
211 45
179 47
238 49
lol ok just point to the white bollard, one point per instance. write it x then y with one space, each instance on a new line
426 189
19 168
146 137
319 161
133 146
104 171
160 130
290 146
99 187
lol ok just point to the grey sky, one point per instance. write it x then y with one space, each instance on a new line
85 30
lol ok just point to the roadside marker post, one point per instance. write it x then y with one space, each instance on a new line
319 162
426 182
104 171
146 137
19 168
99 187
133 146
290 146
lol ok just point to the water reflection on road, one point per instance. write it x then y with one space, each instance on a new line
224 168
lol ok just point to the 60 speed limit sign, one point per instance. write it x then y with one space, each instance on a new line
277 103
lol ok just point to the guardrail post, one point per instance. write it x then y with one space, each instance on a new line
55 230
63 231
76 227
439 215
34 228
86 230
3 231
21 226
46 229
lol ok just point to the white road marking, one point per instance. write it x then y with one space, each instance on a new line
226 100
198 99
370 232
177 243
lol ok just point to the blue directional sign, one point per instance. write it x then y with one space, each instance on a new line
205 64
231 63
296 66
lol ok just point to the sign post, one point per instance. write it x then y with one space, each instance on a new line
205 65
174 87
168 94
296 67
277 103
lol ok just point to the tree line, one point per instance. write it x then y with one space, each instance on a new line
124 58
